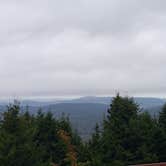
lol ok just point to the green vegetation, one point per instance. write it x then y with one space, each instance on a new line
129 136
126 137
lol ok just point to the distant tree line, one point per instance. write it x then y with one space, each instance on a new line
126 137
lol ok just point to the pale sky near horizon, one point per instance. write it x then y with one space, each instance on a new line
82 47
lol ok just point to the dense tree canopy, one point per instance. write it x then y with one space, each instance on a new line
127 136
27 140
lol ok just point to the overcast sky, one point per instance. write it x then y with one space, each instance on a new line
82 47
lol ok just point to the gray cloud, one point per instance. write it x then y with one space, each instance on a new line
82 47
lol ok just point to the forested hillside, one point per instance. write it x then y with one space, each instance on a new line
84 112
127 136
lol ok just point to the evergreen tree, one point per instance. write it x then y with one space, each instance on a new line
27 140
116 128
16 145
160 137
162 118
94 146
128 136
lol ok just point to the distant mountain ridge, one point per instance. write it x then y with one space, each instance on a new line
85 112
142 101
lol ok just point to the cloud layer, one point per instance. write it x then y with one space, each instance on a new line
82 47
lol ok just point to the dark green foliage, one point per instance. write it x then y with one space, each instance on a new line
162 117
94 146
161 141
126 137
27 140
